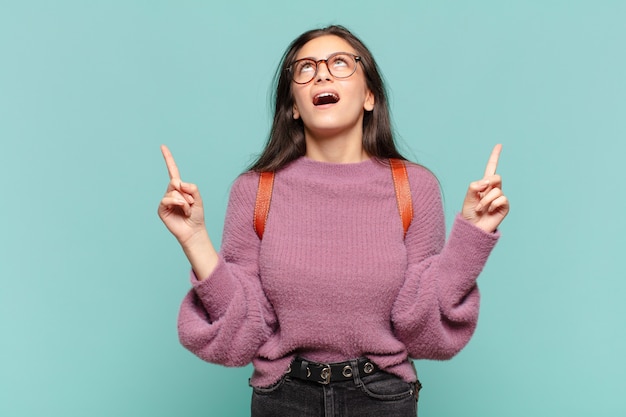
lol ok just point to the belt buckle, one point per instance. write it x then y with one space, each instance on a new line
325 375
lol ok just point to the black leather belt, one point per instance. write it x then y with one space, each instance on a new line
325 373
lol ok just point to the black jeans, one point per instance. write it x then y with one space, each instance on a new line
375 395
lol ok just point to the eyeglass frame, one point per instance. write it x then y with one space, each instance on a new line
317 62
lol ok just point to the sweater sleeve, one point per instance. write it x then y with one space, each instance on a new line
225 318
436 310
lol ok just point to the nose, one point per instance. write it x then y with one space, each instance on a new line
322 71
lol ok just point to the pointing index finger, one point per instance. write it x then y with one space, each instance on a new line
492 164
172 169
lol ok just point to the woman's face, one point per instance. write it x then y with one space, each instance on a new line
330 106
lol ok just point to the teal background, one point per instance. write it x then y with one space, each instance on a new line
91 280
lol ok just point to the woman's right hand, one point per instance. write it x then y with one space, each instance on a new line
182 212
181 207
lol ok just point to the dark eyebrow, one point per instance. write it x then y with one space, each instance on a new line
315 59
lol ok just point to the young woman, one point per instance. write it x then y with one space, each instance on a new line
334 298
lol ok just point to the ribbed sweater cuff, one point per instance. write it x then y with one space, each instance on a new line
216 291
471 245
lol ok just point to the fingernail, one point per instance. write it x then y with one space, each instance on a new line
479 207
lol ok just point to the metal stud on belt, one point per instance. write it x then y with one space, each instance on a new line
325 374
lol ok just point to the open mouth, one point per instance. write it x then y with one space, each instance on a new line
325 98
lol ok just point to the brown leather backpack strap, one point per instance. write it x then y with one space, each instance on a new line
262 204
403 191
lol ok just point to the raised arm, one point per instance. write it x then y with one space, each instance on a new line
226 317
436 311
182 213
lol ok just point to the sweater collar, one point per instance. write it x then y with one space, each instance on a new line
356 172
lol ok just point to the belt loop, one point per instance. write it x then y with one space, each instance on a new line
304 368
356 376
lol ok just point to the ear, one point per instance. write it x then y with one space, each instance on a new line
296 113
368 105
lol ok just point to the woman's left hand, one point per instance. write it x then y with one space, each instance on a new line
485 204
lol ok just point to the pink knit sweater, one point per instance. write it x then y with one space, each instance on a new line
333 277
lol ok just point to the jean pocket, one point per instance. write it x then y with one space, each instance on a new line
270 389
387 387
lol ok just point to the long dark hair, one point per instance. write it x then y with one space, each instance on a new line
286 140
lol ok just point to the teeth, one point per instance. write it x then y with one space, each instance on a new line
325 98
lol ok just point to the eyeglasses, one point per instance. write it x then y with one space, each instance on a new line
339 64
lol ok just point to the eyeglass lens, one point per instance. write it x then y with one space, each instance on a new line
339 65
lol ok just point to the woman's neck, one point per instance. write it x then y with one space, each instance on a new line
345 148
